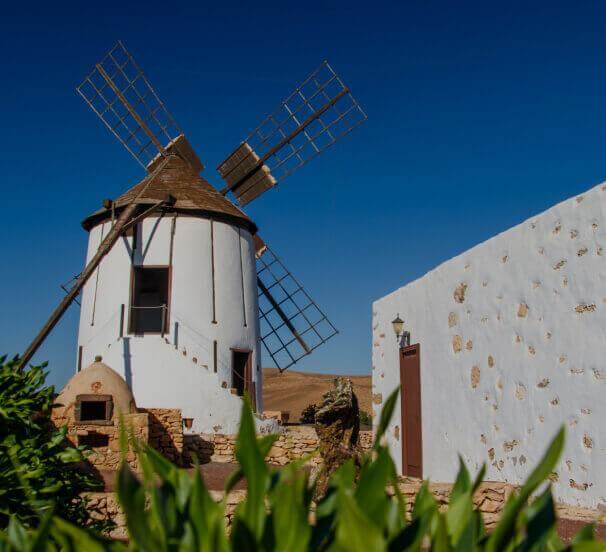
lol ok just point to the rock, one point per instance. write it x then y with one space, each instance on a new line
459 293
338 428
457 344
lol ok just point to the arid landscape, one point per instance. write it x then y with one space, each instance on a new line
292 391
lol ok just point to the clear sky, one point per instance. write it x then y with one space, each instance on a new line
481 114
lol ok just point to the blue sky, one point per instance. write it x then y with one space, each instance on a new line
481 114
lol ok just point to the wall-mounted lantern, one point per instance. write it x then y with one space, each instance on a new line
402 337
398 325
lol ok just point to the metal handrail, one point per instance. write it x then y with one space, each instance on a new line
164 308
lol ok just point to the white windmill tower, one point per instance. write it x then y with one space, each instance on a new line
187 290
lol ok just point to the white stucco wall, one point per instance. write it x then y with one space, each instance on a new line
513 345
177 371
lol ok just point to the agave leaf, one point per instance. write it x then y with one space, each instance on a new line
462 484
132 499
242 538
585 534
409 538
370 493
75 538
355 531
252 461
206 517
290 511
541 523
425 503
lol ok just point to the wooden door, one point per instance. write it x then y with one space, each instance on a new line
412 429
242 376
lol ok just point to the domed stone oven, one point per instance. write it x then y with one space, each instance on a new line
96 401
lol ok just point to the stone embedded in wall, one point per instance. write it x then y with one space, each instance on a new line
469 345
583 307
578 486
490 361
475 376
457 343
520 391
459 293
522 310
574 234
543 383
559 264
587 441
582 252
508 446
377 398
453 319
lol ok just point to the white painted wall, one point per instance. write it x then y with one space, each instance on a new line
177 371
522 354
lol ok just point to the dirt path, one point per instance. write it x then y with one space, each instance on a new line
293 391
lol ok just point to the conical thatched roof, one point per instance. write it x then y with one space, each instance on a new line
193 194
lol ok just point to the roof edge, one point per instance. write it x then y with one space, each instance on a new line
103 215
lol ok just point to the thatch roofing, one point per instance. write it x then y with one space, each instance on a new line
194 196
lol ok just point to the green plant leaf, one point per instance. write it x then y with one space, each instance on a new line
290 511
370 492
252 461
355 532
132 499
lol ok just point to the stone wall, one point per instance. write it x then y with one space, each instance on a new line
104 439
166 432
295 442
489 500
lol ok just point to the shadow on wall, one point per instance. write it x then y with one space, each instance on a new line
166 433
195 447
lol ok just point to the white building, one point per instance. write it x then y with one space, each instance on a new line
511 345
173 306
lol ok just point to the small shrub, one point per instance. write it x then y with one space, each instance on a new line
39 469
354 515
308 416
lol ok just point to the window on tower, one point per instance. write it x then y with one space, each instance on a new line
149 300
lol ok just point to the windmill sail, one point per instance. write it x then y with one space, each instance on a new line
118 91
291 323
319 112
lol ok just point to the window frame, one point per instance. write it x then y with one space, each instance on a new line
109 409
166 327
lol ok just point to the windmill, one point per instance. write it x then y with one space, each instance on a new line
290 325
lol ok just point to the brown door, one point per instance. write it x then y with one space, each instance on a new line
410 379
242 374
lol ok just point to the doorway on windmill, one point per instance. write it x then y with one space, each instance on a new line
240 371
149 299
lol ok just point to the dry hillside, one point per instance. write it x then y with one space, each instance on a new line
293 391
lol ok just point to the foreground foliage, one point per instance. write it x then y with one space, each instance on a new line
354 515
39 469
